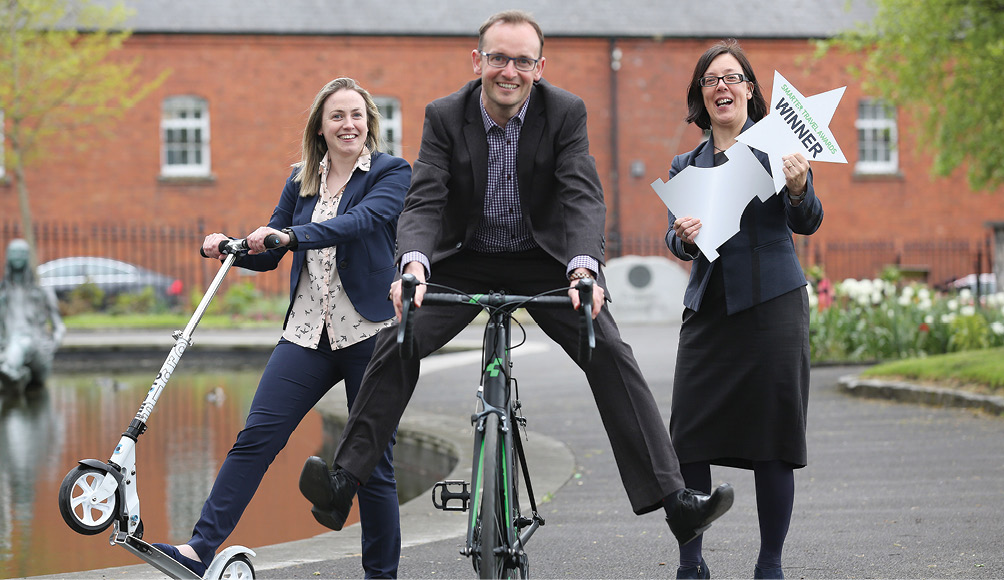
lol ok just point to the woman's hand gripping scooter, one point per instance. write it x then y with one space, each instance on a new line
95 495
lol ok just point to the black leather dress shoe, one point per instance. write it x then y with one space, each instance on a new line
691 512
699 571
765 573
331 492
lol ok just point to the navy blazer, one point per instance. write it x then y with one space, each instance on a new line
759 262
559 188
363 234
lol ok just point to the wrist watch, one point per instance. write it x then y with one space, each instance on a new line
293 242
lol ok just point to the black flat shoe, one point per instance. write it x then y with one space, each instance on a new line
331 492
691 512
765 573
700 571
197 567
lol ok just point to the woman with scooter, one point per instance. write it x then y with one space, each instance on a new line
338 215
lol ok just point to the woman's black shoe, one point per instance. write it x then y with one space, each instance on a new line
195 566
767 573
700 571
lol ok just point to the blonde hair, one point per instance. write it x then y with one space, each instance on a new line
314 147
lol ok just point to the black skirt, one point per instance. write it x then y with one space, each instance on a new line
741 390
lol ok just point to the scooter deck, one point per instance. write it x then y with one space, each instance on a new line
158 559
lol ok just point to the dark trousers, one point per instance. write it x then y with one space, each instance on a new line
294 379
644 454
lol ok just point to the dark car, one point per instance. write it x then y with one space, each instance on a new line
111 276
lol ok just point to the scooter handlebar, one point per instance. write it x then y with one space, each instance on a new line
241 246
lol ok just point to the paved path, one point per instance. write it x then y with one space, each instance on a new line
891 491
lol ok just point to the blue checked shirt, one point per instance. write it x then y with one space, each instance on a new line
502 227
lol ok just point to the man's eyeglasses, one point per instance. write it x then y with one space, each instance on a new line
521 63
712 81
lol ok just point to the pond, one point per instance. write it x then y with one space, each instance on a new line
197 418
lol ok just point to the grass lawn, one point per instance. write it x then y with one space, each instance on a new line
979 371
95 321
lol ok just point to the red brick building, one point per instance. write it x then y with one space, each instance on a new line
251 69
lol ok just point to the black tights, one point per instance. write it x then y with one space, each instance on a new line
775 494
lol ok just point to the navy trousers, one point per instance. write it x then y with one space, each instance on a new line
294 379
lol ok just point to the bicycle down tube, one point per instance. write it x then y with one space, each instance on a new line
497 531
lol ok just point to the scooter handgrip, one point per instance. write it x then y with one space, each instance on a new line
272 241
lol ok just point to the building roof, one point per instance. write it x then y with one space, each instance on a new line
558 18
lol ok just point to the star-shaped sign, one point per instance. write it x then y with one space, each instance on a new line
795 124
710 195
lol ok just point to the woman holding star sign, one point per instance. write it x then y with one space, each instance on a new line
750 308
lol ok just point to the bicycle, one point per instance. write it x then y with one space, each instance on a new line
497 530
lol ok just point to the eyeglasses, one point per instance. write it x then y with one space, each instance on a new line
712 80
521 63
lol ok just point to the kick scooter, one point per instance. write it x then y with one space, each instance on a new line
95 495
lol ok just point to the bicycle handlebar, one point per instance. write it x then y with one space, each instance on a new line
405 331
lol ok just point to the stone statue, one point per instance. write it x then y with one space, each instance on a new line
30 326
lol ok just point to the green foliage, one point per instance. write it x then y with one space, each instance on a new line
144 301
969 332
240 298
941 60
243 301
88 297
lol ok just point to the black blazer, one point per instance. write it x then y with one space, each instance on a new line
362 233
559 189
759 262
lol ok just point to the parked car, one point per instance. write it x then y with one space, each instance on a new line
988 283
111 276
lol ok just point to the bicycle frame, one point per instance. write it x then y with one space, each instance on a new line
497 532
496 398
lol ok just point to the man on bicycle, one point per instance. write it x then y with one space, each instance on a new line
505 195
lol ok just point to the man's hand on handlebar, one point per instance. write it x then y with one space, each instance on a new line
418 270
598 297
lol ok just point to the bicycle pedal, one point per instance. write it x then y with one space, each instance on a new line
446 495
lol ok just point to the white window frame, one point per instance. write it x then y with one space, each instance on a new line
878 150
390 124
185 113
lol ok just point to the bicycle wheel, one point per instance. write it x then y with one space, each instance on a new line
490 525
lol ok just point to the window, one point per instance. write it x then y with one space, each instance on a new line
184 131
877 146
390 124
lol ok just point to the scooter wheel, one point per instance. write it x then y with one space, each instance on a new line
238 568
77 504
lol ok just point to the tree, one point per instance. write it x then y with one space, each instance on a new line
58 74
941 60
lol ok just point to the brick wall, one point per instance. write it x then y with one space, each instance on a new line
260 87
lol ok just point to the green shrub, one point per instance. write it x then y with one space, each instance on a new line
87 297
142 302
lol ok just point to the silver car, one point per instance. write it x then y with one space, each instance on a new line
112 276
